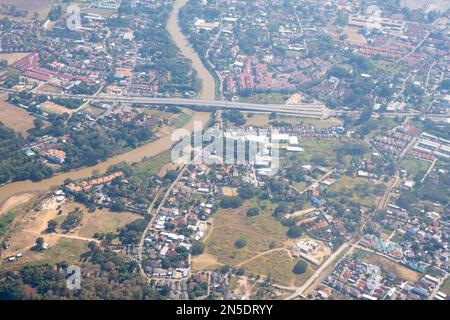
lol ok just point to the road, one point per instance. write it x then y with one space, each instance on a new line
312 110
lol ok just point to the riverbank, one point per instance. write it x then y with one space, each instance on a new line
148 150
208 91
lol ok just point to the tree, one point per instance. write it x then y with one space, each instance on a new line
52 225
240 271
231 202
294 232
92 246
197 248
300 267
40 243
240 243
73 220
252 212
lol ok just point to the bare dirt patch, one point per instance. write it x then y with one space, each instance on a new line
205 261
354 36
229 192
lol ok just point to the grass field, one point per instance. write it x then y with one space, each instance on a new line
379 126
359 190
323 148
277 98
153 165
67 250
181 120
391 68
15 118
261 233
105 221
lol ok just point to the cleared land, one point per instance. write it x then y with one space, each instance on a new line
32 224
359 190
354 36
278 265
105 221
52 107
12 57
15 118
42 7
14 202
261 233
415 167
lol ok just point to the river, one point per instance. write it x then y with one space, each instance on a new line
148 150
208 83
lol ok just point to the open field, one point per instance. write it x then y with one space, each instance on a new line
12 57
390 68
322 150
276 98
204 261
354 36
15 118
356 189
257 119
415 167
62 249
105 221
46 87
52 107
63 246
153 165
14 202
389 265
277 265
229 192
326 123
41 7
375 127
261 233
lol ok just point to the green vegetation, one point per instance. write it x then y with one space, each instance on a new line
73 220
252 212
14 164
5 222
197 248
415 167
231 202
106 276
240 243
